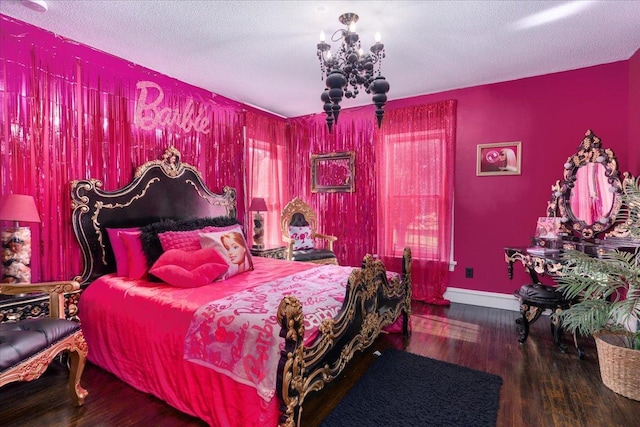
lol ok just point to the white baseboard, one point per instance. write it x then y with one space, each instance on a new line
483 298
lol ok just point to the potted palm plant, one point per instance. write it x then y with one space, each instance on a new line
606 289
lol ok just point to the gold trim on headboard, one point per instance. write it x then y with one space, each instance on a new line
100 205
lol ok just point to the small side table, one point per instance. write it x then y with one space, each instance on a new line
276 253
25 306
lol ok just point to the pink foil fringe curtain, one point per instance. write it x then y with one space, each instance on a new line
67 113
352 216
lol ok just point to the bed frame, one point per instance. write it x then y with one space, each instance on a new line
168 188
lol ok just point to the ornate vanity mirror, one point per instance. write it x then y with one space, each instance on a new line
588 199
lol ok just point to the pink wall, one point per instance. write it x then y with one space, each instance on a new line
634 111
549 114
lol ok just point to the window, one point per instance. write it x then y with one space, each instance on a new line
266 172
412 192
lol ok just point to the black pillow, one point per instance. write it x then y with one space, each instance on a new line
151 245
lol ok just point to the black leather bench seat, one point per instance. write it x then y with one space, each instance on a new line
21 340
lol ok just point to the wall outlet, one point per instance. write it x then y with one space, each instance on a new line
468 272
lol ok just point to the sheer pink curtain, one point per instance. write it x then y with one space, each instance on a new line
415 152
67 113
267 172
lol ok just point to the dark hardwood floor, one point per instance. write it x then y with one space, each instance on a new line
541 385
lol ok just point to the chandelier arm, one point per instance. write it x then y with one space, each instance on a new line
340 37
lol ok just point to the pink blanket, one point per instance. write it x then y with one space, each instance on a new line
136 330
239 335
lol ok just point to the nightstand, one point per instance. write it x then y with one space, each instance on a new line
25 306
277 253
34 305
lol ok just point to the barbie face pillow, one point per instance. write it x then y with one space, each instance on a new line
233 247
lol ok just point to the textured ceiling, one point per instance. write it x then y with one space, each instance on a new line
263 53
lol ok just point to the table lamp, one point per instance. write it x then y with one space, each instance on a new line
16 241
258 204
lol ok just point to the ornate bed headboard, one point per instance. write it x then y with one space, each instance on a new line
161 189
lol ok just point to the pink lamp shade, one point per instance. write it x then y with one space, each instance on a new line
258 204
18 207
16 242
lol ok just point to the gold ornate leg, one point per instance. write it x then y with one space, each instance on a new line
77 360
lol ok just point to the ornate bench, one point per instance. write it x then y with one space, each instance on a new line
27 347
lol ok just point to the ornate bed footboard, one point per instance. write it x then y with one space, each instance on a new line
372 302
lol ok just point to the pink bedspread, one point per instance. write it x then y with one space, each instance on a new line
136 330
239 335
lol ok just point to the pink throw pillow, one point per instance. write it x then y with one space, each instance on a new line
119 250
232 246
185 269
185 240
302 237
137 258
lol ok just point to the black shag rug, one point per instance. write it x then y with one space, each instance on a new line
402 389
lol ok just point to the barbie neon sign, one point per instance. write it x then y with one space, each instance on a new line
149 115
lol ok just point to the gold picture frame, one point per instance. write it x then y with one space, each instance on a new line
499 158
333 172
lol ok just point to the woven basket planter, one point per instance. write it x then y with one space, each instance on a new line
619 366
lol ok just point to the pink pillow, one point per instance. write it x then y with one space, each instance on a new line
184 269
232 246
185 240
137 258
302 237
119 250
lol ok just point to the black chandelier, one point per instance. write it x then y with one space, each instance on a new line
351 69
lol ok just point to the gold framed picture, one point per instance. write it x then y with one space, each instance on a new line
500 158
333 173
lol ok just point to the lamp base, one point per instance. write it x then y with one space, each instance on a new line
258 231
16 255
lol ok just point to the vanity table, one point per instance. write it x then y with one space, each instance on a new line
587 200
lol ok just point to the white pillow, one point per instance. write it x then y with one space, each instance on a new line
302 237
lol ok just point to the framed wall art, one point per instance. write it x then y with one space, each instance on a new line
333 173
501 158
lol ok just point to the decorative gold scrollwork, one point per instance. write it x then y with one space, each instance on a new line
170 164
371 303
100 205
